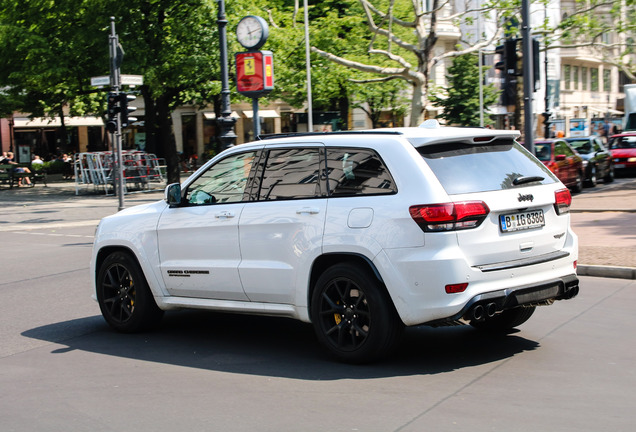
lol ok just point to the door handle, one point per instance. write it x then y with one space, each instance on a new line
224 215
308 210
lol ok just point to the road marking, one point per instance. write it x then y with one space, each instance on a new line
44 225
53 234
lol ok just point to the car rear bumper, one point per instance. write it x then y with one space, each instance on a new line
489 304
416 279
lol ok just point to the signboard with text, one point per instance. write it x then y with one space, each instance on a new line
254 73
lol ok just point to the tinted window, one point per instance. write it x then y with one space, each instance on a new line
223 182
583 146
357 172
543 151
624 142
291 174
469 168
561 148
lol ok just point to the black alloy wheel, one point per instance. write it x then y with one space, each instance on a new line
353 315
610 174
592 179
123 294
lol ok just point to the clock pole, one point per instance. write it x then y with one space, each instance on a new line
226 121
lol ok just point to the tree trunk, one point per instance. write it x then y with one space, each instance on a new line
159 135
165 140
416 106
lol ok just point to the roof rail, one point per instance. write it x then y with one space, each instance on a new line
304 134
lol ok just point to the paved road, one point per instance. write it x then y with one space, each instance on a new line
570 368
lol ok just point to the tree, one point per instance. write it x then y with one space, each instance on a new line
51 49
45 67
331 85
460 100
376 98
404 37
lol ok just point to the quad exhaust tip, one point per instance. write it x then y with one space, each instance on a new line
480 312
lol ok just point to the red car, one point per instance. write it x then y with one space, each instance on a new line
623 149
563 161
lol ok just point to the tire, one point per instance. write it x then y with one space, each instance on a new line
123 294
610 175
506 320
353 315
592 179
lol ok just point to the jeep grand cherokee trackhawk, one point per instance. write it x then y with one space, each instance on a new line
358 233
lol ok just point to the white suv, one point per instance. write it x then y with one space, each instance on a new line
359 233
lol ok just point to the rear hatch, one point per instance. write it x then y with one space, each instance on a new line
519 191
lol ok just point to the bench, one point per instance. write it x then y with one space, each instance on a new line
9 175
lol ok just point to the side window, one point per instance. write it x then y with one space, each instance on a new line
223 182
561 149
357 172
291 174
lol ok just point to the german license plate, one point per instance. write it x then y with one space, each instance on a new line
521 221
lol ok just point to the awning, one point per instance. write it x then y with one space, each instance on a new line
212 116
605 110
262 114
45 122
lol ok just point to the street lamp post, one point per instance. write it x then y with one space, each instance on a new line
226 121
546 111
310 113
528 135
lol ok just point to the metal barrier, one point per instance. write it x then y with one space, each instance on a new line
140 169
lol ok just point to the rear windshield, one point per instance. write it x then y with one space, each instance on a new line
468 168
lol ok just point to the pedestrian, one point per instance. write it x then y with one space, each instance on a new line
21 170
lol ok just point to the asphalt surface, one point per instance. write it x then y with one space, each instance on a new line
603 217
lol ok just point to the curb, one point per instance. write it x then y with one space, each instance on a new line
606 271
630 210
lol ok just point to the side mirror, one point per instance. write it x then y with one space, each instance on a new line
560 157
172 194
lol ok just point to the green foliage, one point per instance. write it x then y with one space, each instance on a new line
375 98
460 101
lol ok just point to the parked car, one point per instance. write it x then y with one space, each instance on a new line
358 233
563 161
623 149
597 160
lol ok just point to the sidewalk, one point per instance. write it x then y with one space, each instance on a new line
605 220
603 217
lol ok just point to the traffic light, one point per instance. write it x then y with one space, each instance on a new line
125 109
536 67
508 59
112 110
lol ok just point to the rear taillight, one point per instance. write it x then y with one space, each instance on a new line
449 216
562 201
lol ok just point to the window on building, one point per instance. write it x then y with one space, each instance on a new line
584 78
607 80
594 79
566 77
575 77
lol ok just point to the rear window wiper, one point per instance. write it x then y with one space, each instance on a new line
527 179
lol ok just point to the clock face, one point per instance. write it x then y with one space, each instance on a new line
252 32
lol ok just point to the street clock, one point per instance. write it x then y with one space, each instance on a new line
252 32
